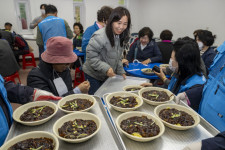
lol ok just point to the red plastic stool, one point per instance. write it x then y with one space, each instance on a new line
28 62
13 77
79 77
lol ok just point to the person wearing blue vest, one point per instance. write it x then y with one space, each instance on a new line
208 100
102 17
11 93
185 64
51 26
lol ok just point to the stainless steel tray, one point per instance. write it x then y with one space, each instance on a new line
171 139
117 83
106 138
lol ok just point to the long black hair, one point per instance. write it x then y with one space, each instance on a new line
115 16
187 55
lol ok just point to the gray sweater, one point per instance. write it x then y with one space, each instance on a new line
32 24
100 56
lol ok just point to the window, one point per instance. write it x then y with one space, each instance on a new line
23 17
78 9
122 3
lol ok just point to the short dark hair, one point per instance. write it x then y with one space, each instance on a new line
104 13
50 9
79 25
166 35
115 16
195 33
146 31
206 37
8 24
43 5
187 55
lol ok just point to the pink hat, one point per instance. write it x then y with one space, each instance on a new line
59 50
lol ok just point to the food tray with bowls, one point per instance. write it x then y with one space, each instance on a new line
170 139
106 137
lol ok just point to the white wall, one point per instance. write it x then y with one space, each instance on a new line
182 17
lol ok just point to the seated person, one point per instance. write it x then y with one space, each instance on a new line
77 41
145 50
78 30
15 93
165 46
185 64
21 47
8 36
208 99
7 57
205 40
53 73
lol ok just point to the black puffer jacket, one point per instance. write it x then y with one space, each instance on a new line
42 78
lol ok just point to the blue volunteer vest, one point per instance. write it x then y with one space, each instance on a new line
52 26
193 80
4 127
212 106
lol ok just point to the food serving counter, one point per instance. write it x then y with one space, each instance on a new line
106 138
109 137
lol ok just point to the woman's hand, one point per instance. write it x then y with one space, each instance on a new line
161 75
84 87
124 76
147 61
125 61
110 73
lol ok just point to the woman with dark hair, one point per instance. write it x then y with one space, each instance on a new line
166 46
78 30
185 64
145 48
104 51
205 40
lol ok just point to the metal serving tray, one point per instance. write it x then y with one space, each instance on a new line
117 83
171 139
106 138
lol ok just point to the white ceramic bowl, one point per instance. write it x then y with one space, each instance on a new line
34 134
127 115
181 108
20 110
132 86
124 94
169 93
78 115
147 73
75 96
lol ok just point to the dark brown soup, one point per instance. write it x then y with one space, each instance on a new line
124 102
140 126
77 129
158 96
176 117
77 104
37 113
34 144
133 89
